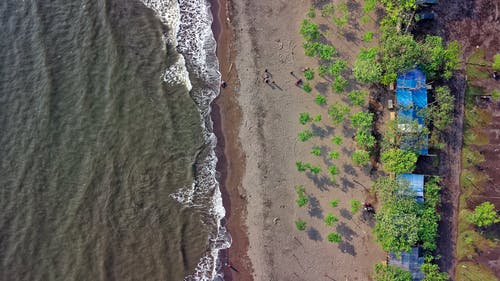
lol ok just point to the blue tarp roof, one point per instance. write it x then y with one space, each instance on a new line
416 184
411 96
410 261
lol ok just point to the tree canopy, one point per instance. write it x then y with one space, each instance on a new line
399 161
484 215
385 272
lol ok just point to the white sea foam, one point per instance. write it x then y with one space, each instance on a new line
189 23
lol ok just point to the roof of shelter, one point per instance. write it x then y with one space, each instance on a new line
415 183
410 261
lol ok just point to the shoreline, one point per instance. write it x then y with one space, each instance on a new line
226 115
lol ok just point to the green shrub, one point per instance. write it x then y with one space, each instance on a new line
495 94
302 199
334 203
316 151
367 37
365 19
339 84
305 135
334 155
330 219
320 99
496 62
300 225
364 139
360 157
384 272
322 70
315 170
337 67
358 97
366 67
369 5
334 237
304 117
355 206
362 120
317 118
309 74
309 30
326 52
307 88
333 170
399 161
301 167
327 10
338 112
484 215
337 140
311 13
431 272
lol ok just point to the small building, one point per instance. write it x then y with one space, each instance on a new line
410 261
411 98
415 184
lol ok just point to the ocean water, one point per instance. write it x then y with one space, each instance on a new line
107 169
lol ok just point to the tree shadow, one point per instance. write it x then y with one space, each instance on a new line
368 218
346 231
346 151
321 132
314 209
321 182
314 234
345 213
348 131
322 87
346 184
346 247
349 169
351 37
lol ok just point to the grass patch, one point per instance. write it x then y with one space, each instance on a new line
476 67
467 271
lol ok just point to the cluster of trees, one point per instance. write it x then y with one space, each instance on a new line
402 222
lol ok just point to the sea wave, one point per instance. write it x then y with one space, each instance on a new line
189 23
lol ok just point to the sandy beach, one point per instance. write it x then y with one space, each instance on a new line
260 176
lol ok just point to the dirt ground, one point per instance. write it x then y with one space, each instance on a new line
474 24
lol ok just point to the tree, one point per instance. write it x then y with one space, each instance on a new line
315 170
300 224
364 139
336 140
307 87
366 67
496 62
428 224
362 120
337 112
334 237
333 155
322 70
431 273
337 67
355 206
339 84
301 167
333 170
484 215
384 272
360 157
316 151
330 219
304 117
317 118
327 10
367 37
302 199
399 161
334 203
311 13
309 30
441 111
358 97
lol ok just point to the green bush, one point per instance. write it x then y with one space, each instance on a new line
367 37
326 52
307 88
338 112
300 225
365 139
333 155
309 74
309 30
302 199
317 118
304 117
327 10
496 62
320 99
360 157
334 237
334 203
301 167
366 67
337 140
431 273
362 120
484 215
316 151
358 97
315 170
322 70
330 219
337 67
305 135
384 272
369 5
333 170
311 13
355 206
399 161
